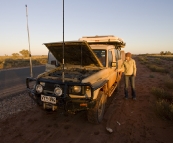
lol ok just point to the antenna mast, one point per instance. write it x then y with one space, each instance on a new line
63 46
29 42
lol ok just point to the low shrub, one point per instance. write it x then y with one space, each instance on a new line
164 103
157 61
169 83
143 59
155 68
164 109
1 66
22 62
162 94
168 58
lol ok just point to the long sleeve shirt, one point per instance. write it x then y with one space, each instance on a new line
129 67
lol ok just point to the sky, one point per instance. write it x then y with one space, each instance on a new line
145 25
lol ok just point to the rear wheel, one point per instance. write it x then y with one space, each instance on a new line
95 115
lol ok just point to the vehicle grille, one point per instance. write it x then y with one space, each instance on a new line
51 87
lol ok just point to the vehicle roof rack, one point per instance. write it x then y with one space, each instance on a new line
104 39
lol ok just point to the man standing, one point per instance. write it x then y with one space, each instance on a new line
129 68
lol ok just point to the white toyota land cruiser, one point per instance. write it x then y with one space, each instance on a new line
87 78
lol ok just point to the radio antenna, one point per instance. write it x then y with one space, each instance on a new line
63 47
29 43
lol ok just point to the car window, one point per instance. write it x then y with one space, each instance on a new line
110 58
117 54
51 57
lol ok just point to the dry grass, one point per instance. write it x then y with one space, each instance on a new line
155 68
163 65
162 94
158 63
164 109
164 103
143 59
168 82
160 56
7 62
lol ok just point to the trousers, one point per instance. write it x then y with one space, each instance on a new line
131 79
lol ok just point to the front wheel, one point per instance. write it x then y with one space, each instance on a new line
95 115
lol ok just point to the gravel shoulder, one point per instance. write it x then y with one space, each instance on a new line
12 105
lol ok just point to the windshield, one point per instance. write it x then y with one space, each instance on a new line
101 54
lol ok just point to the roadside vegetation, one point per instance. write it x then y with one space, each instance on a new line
21 60
164 103
162 64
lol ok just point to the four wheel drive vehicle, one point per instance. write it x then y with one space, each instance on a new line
89 76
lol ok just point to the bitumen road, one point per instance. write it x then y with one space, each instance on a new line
13 81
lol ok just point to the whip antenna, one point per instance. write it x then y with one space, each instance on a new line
29 42
63 47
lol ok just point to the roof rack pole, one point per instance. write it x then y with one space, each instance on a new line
63 47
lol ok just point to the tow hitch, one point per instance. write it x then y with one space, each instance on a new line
49 106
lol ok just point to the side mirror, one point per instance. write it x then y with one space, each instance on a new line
114 64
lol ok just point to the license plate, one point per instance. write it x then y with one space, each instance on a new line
48 99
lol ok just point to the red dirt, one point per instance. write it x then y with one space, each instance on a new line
131 121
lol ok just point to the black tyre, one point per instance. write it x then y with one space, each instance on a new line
37 99
95 115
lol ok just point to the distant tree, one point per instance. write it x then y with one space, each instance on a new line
167 53
15 55
24 53
161 53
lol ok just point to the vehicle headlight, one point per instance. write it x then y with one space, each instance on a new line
39 88
77 89
58 91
